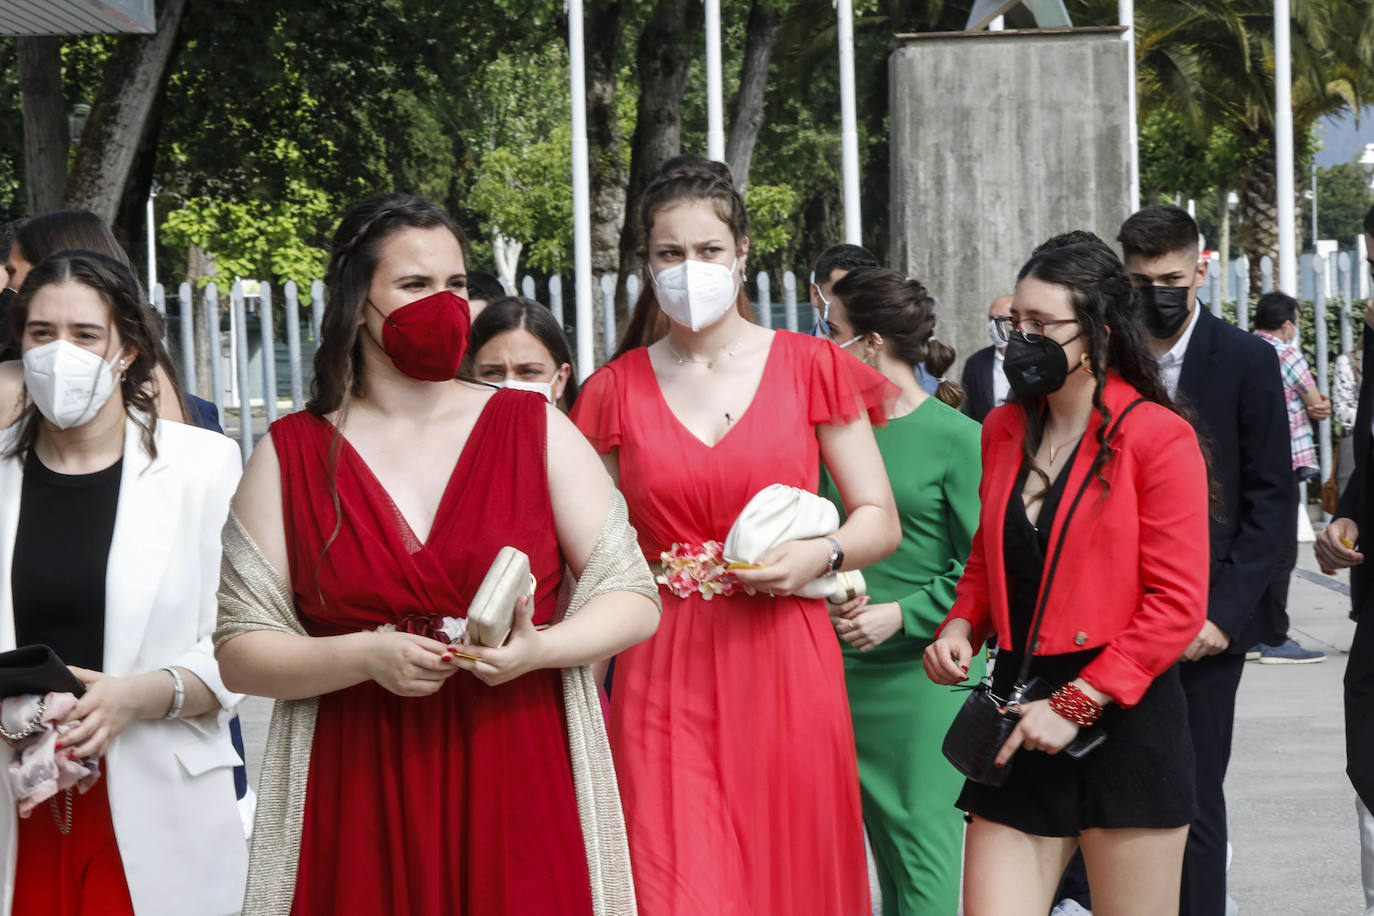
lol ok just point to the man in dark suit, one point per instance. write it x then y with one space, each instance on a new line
984 382
1231 381
1339 546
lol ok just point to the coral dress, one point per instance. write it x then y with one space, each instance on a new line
730 726
460 802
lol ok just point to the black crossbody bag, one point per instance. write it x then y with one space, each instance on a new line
986 721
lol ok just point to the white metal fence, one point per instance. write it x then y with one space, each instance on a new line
251 364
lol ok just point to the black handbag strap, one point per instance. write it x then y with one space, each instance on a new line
1059 549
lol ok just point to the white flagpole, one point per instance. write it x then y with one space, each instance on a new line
715 115
1283 149
1126 9
849 131
581 183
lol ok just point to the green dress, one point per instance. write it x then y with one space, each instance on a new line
900 718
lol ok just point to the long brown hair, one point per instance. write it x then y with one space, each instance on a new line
353 258
114 283
882 301
81 230
683 179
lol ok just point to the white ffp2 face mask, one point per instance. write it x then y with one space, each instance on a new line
68 385
541 388
696 293
997 341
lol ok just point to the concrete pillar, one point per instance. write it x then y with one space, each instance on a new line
999 141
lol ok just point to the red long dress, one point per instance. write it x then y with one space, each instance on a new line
461 802
730 726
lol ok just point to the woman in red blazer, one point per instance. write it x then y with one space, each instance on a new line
1127 596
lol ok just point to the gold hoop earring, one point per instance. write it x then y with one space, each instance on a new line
1085 363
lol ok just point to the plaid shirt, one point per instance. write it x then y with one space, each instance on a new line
1297 381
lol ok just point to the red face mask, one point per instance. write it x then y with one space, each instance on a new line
426 339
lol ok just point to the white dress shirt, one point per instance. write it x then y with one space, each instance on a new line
1171 363
1000 386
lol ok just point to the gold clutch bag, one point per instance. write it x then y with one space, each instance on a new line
492 611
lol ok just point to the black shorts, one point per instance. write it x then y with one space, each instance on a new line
1141 776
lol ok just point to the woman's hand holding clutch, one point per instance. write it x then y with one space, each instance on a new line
787 567
524 651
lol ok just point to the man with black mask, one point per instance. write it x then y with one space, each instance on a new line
1231 381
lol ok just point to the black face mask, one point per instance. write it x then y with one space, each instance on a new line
1164 309
1035 369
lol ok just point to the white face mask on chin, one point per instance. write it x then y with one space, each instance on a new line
540 388
696 294
68 385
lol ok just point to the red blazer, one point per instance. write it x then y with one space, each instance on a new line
1134 570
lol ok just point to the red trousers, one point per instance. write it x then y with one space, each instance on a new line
80 874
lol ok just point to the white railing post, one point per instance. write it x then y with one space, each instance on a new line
293 343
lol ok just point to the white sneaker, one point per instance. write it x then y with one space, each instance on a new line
1070 907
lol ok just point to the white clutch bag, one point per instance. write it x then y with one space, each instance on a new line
492 611
777 514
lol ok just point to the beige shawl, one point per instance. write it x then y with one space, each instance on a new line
253 596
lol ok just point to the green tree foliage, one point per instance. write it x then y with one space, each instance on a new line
1343 198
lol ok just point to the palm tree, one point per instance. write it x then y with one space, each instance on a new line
1211 62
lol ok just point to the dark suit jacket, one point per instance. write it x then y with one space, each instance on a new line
1359 668
1231 381
1354 503
977 384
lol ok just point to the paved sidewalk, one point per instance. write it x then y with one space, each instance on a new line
1292 810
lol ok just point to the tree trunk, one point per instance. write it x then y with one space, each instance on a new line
133 77
1260 215
200 263
46 135
666 49
764 19
605 20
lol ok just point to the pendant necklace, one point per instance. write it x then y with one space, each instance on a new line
1054 449
708 363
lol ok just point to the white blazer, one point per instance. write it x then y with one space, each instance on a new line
170 782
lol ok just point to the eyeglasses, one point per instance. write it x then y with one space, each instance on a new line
1030 329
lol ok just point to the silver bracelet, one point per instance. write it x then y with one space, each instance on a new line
178 693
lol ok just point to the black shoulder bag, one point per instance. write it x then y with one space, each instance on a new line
985 721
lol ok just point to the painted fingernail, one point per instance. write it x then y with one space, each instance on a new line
57 746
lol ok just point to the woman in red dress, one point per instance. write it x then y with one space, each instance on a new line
430 790
730 727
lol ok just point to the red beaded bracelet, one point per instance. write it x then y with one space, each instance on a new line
1075 705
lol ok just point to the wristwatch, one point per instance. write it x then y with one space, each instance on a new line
836 556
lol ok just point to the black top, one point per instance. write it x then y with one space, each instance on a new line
1026 546
61 550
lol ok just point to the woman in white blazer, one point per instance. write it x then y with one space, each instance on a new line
109 552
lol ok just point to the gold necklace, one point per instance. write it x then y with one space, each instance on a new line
1054 449
708 363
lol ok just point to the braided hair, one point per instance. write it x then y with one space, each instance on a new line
353 258
882 301
683 179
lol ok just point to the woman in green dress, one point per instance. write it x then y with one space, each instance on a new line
900 718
